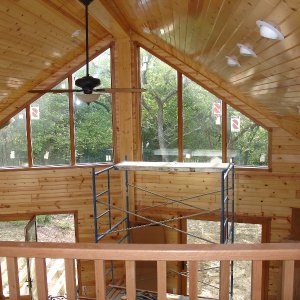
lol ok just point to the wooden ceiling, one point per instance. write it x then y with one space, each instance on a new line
36 41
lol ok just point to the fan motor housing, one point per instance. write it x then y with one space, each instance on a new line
87 83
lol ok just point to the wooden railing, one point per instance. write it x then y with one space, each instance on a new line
100 253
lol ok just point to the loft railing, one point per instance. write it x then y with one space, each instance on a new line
130 253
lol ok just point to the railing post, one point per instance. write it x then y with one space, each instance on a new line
287 289
41 278
161 280
13 278
224 279
130 280
100 279
193 280
256 280
70 278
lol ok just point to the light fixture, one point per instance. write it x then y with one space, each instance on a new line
232 61
269 30
246 50
88 98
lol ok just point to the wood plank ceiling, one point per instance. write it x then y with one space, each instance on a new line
36 40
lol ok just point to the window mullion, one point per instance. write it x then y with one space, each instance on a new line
180 118
71 116
29 138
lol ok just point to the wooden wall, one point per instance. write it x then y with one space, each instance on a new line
58 190
258 193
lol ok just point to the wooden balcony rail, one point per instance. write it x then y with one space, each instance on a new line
100 253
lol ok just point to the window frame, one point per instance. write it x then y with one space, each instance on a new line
26 107
180 75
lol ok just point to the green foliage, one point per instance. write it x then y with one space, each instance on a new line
13 138
43 219
202 136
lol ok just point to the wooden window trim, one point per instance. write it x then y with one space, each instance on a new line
180 74
180 116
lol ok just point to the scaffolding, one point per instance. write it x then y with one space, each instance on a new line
123 228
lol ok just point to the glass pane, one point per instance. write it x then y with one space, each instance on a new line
13 142
247 142
50 128
202 133
93 122
159 109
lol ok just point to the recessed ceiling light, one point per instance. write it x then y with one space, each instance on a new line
232 61
246 50
269 30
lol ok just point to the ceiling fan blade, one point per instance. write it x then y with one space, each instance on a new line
119 90
56 91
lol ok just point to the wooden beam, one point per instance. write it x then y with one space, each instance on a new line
70 278
287 291
108 19
41 278
13 278
130 280
193 280
256 280
123 122
100 279
224 279
161 280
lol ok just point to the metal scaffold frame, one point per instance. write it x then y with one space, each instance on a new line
123 225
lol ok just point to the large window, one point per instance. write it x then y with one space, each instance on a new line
61 135
50 129
181 121
93 122
201 125
247 142
13 142
159 109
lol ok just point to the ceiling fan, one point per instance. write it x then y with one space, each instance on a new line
88 84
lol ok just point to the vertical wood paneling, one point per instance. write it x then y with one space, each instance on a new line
70 272
288 270
256 280
100 279
13 278
130 280
161 280
41 278
193 280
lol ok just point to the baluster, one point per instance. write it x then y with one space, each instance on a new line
256 280
161 280
70 278
193 280
13 278
41 278
100 279
224 279
130 280
287 290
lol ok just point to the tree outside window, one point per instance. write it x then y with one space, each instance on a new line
50 128
93 122
13 142
159 109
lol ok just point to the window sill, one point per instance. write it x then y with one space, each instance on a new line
51 167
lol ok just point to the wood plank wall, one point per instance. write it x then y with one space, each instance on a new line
258 193
58 190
